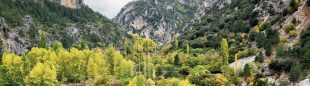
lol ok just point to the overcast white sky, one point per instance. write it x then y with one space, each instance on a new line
109 8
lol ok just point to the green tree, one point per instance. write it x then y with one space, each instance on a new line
248 70
43 41
196 75
305 51
260 39
224 52
33 31
295 73
272 35
57 46
260 57
280 50
268 48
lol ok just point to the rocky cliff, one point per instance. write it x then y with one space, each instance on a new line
70 3
161 20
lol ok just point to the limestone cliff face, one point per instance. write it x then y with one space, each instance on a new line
161 20
70 3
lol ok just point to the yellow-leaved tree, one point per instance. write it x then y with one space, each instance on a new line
173 82
149 68
42 75
140 80
125 70
12 66
97 68
40 55
184 83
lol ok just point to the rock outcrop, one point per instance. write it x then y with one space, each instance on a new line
70 3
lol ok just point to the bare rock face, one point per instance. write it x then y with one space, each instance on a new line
161 20
12 41
70 3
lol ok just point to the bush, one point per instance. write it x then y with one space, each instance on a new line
293 6
292 33
278 66
289 26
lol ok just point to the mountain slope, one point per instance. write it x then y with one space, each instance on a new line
27 23
161 20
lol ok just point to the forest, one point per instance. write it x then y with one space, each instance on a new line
206 55
140 63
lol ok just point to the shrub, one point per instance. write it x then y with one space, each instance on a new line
278 66
262 82
293 6
280 50
282 39
292 33
288 27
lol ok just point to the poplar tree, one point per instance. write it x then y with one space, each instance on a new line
224 52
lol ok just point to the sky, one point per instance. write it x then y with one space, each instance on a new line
109 8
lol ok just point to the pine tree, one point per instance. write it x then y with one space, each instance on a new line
260 57
247 70
295 72
268 48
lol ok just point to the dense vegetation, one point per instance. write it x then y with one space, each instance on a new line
52 20
47 13
202 56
